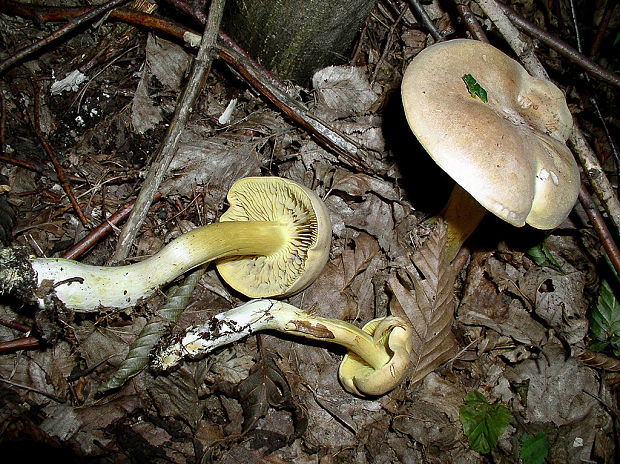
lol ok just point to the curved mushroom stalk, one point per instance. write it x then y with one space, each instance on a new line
377 356
274 240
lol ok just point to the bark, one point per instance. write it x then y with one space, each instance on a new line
293 38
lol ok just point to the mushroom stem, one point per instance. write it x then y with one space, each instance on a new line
462 214
264 314
85 287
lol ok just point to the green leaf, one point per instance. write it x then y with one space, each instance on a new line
483 423
542 256
534 449
474 88
605 320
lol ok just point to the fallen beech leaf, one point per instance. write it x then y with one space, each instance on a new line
597 360
430 306
265 387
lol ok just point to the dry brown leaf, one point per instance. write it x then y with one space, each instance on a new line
598 360
430 306
356 259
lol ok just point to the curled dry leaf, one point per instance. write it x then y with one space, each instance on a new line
265 387
430 306
598 360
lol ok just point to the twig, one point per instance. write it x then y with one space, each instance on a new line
388 45
591 166
610 139
561 47
596 176
36 125
269 86
70 26
44 171
184 7
18 344
103 229
602 28
15 325
425 19
600 227
472 24
273 90
2 123
159 167
35 390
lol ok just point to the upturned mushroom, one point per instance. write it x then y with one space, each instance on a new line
497 131
377 356
274 240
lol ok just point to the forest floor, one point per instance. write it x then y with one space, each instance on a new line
520 301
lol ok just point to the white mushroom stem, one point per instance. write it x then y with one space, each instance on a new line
265 314
87 288
462 214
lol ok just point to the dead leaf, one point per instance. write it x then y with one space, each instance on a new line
178 394
166 61
484 304
558 299
355 260
562 390
430 306
598 360
345 90
265 387
144 114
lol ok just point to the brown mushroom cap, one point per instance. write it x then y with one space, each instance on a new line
293 267
509 153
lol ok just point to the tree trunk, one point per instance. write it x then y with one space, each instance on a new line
294 38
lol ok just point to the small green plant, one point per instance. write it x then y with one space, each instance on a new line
605 316
534 448
542 256
483 422
474 88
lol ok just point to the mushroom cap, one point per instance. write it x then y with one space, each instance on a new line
509 153
301 260
357 377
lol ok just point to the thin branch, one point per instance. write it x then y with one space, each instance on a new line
472 24
598 222
62 178
67 28
18 344
42 170
561 47
200 69
602 28
388 45
425 19
97 234
35 390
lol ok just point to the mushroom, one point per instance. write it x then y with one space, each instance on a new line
508 155
377 356
276 230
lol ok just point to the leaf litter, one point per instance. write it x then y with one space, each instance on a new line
506 327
